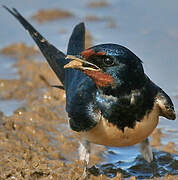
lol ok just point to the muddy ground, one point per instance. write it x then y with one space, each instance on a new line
36 143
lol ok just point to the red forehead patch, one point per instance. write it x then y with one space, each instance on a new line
88 52
101 79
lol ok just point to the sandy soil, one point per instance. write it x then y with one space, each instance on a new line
36 142
45 15
30 138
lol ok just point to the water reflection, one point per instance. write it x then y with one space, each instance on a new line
8 70
164 163
9 106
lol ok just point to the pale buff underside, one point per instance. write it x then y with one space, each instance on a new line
105 133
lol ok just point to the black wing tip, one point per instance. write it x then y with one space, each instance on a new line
13 11
174 116
80 26
172 113
166 105
5 7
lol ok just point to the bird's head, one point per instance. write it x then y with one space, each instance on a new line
109 65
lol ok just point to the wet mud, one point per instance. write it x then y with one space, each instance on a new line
36 142
45 15
98 4
19 50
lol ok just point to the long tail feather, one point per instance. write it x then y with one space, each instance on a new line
55 58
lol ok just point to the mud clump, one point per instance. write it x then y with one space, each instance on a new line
93 18
43 15
156 138
156 142
98 4
169 147
19 50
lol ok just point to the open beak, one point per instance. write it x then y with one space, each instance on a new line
80 64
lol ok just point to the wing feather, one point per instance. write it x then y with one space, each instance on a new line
166 106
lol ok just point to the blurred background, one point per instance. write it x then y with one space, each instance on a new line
148 28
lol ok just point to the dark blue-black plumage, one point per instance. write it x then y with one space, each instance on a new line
123 103
70 78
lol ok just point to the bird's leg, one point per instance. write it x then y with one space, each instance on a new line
146 150
84 155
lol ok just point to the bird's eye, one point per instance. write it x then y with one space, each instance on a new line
108 61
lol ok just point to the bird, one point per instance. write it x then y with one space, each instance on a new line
109 99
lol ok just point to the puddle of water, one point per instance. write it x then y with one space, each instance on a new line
8 71
127 154
164 163
9 106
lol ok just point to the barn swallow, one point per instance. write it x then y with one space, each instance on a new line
109 99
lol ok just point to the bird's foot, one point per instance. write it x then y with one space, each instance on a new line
84 154
146 150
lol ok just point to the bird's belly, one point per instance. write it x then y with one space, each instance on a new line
107 134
